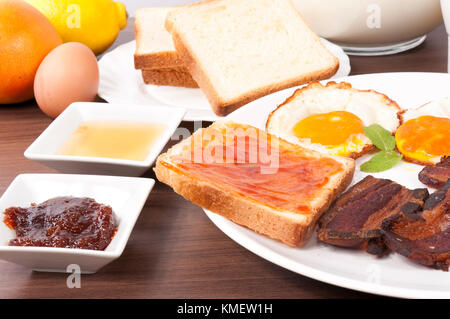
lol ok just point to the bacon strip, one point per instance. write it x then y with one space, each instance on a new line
425 240
357 215
436 176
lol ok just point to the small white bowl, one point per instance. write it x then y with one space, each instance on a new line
125 195
44 149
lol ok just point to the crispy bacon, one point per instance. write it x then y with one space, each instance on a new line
423 236
436 176
356 217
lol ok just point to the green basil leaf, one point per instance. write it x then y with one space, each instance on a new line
380 137
381 162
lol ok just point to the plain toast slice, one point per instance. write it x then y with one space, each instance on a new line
176 76
238 51
277 203
154 45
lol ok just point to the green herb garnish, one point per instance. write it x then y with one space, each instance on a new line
381 162
380 137
385 142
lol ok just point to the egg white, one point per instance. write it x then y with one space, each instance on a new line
439 108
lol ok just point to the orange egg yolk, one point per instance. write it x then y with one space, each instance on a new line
329 129
424 139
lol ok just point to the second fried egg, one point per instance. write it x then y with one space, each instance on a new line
424 137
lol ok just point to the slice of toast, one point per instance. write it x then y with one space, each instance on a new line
225 168
238 51
176 76
154 45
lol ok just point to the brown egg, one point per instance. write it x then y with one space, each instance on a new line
68 74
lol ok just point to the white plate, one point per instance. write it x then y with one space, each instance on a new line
392 276
120 82
125 195
44 149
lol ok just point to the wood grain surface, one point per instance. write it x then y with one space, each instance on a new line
175 251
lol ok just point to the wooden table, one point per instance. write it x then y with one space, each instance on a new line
175 251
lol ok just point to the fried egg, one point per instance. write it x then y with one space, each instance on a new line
331 118
424 136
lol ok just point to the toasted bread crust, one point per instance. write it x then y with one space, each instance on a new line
177 76
223 107
293 229
157 60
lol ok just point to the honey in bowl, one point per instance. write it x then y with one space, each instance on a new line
113 139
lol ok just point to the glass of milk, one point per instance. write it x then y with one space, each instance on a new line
445 5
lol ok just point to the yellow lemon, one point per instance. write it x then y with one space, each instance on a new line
94 23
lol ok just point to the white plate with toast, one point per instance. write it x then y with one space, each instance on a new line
120 82
393 275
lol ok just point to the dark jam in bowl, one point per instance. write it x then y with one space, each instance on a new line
68 222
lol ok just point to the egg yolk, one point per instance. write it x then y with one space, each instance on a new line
424 139
329 129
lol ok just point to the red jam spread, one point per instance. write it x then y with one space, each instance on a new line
67 222
295 181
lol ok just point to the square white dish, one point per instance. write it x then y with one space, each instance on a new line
125 195
44 149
